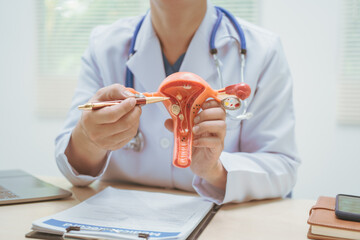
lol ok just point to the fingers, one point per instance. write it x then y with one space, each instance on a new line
211 120
119 140
210 104
112 127
115 135
209 114
130 120
210 128
112 92
217 128
209 123
113 113
209 142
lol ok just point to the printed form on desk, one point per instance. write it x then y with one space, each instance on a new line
124 214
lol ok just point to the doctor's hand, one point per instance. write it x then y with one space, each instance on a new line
99 131
208 142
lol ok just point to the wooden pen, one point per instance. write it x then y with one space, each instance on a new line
139 101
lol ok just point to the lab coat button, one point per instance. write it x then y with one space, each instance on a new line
164 143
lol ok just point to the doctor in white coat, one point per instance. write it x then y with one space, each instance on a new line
232 161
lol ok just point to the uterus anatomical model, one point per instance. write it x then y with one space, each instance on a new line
187 92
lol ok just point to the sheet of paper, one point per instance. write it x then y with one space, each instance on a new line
130 212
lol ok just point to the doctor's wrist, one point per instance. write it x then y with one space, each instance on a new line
86 142
217 176
84 155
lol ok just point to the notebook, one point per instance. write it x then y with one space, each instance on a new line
17 186
325 225
129 214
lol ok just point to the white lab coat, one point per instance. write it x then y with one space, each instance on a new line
260 155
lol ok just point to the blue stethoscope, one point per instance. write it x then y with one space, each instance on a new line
137 142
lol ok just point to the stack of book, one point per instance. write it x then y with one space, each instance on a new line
325 225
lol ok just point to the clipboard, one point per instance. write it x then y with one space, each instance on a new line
193 236
203 224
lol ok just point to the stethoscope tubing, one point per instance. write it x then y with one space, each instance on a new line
129 79
220 13
237 27
137 143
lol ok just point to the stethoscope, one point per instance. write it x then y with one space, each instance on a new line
137 143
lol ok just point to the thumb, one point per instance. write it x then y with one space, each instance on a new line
112 92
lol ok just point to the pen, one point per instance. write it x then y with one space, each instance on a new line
139 101
78 233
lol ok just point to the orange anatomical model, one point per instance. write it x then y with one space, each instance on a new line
187 93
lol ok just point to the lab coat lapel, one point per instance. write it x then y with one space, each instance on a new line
147 63
198 59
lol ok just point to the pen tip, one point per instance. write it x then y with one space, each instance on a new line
85 107
155 99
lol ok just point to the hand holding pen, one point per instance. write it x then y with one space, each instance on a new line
108 128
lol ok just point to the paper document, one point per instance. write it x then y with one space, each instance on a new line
123 214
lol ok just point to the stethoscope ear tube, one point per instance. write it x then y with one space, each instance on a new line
242 51
237 27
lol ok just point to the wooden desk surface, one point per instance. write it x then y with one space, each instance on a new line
267 219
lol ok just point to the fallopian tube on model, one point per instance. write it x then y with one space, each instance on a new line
187 92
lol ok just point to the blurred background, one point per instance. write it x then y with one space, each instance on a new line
42 41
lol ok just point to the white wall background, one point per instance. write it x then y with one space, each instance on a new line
26 141
310 33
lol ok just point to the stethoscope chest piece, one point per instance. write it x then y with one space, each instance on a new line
137 143
231 103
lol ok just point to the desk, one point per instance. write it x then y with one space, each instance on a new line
266 219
